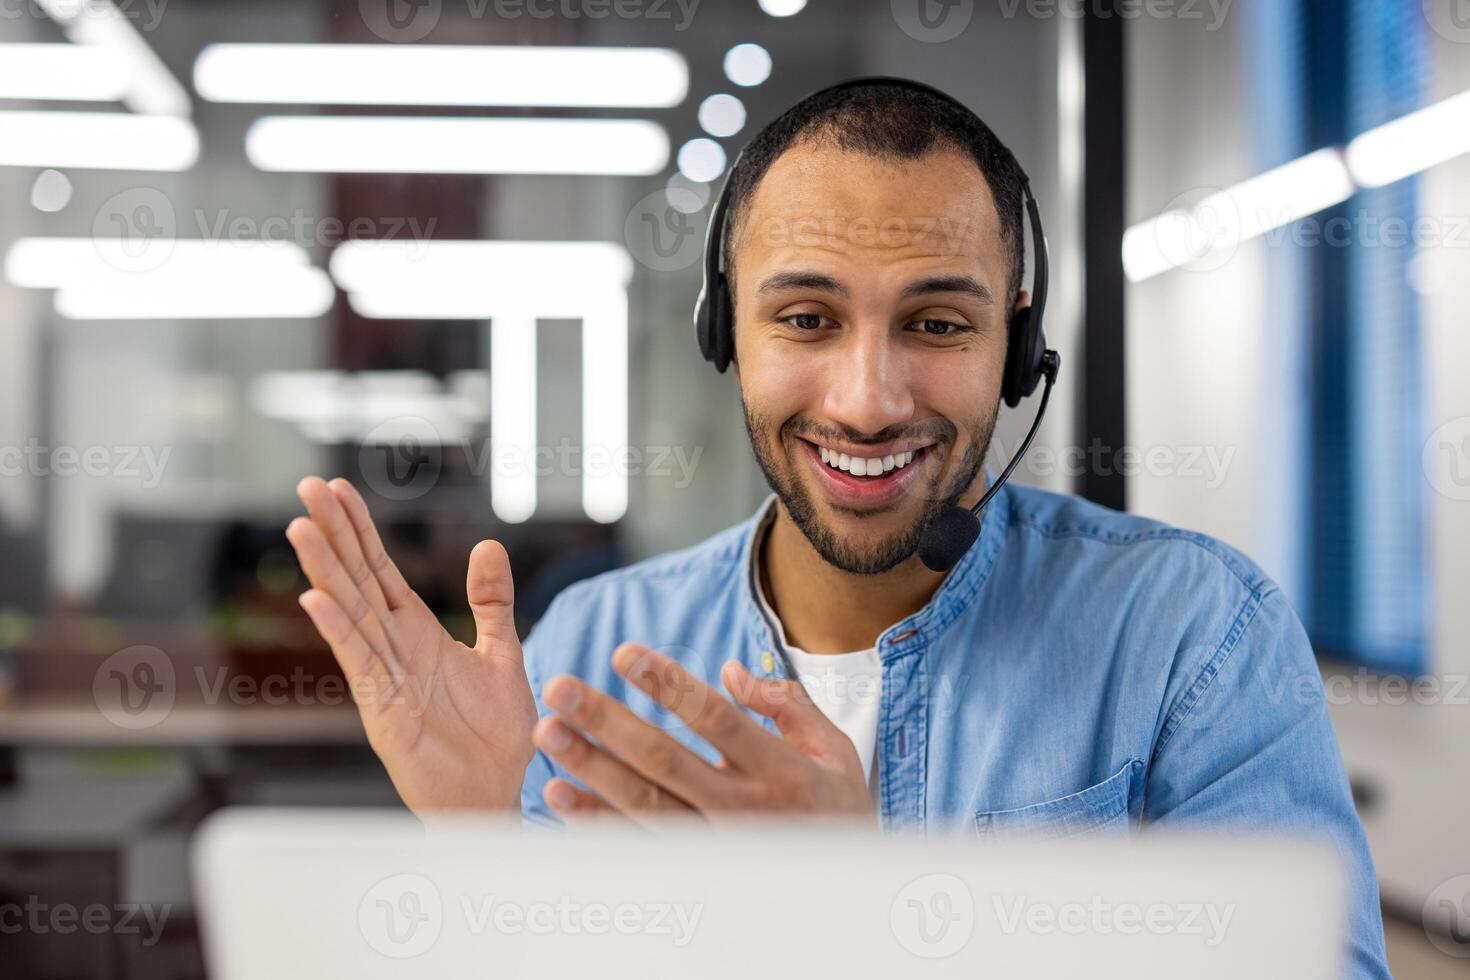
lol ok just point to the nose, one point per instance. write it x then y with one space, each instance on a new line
867 384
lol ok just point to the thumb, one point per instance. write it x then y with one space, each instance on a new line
787 703
492 596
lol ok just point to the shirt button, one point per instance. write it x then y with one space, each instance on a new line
768 662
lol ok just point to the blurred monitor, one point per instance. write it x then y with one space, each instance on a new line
311 893
162 568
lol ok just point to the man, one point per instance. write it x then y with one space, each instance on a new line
1078 671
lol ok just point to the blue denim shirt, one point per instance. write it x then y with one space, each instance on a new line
1080 671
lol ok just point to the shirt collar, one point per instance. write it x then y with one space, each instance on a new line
954 595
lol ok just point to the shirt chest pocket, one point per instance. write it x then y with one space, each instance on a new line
1105 808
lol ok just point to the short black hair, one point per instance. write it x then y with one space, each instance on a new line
893 122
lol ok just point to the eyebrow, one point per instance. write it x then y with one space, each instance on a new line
923 287
801 280
949 284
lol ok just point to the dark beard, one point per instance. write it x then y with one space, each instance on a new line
897 548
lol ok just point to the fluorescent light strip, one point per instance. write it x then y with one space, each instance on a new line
54 263
478 280
1418 141
442 75
373 407
513 418
605 408
1408 145
298 294
152 88
437 145
97 141
1219 223
66 72
166 279
513 283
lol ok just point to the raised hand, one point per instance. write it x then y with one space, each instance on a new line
451 723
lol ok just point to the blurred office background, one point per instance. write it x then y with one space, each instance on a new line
245 242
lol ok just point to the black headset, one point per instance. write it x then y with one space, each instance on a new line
1026 351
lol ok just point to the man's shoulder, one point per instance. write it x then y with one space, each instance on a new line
1066 527
1145 599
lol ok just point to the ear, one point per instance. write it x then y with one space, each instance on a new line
734 345
1023 300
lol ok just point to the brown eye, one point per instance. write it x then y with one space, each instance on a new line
939 328
806 321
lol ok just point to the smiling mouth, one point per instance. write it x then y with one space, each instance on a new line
869 467
855 471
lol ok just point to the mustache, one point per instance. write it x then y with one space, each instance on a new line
938 430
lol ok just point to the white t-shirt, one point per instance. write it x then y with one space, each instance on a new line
848 687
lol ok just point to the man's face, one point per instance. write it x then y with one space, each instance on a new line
870 326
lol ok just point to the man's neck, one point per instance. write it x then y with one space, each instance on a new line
826 610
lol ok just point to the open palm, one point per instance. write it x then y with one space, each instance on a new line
451 723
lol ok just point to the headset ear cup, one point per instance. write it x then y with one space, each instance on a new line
722 326
1018 343
1034 370
701 325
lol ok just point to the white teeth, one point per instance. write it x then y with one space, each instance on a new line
860 466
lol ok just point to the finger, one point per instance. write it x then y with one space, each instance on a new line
325 571
738 737
352 651
328 514
491 592
622 788
646 749
575 805
786 702
390 579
